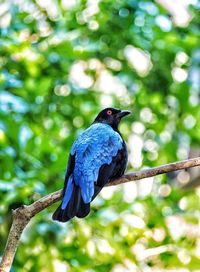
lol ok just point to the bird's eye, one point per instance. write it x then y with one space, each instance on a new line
109 112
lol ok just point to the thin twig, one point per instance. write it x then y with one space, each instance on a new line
22 215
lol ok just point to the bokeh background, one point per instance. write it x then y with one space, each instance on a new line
60 63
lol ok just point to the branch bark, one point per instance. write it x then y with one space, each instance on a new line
22 215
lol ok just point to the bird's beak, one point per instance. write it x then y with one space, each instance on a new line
123 113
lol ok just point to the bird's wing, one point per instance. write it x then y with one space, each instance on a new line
70 169
68 185
97 146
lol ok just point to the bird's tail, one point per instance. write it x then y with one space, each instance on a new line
72 204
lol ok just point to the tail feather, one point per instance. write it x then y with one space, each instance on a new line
97 190
57 215
75 207
83 210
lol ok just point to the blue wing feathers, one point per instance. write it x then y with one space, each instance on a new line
68 192
95 146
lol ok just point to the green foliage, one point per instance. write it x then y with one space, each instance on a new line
59 66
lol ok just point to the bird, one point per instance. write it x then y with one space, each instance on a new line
98 156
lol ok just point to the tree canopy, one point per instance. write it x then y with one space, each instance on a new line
63 61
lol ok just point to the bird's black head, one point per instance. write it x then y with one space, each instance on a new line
111 116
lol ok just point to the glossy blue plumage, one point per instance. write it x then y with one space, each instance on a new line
97 156
95 147
68 192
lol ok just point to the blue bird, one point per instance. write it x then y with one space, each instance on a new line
96 157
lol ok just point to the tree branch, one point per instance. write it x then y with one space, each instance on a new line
22 215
